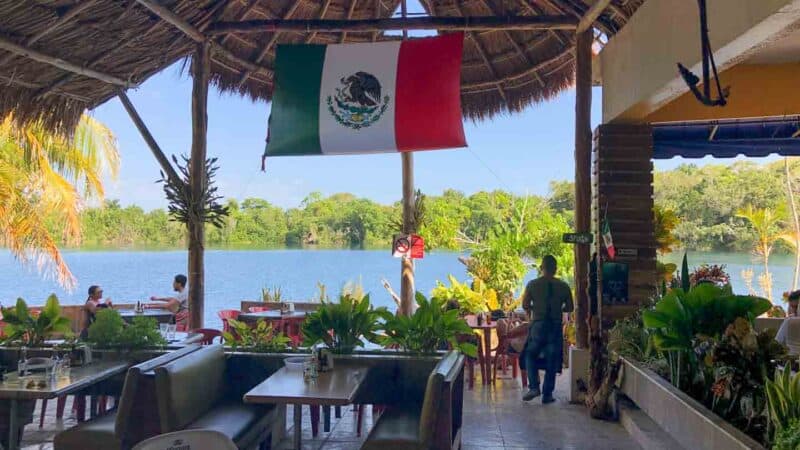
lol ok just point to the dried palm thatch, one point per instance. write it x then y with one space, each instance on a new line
127 42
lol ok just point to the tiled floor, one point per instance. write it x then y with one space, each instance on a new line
494 418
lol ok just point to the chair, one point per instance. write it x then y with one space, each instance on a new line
188 439
227 314
258 309
209 334
503 354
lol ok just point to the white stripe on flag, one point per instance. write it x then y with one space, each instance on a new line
342 61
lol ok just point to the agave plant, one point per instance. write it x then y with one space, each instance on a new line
31 330
429 329
345 325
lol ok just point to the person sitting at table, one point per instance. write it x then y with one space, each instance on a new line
179 304
792 299
93 302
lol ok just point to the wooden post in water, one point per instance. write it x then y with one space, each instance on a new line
197 183
406 263
583 178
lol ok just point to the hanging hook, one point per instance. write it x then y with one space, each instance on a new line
709 66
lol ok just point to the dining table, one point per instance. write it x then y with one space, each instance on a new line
336 387
485 327
161 315
15 388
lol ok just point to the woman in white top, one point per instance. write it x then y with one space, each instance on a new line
179 304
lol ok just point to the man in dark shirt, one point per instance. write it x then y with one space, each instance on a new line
546 300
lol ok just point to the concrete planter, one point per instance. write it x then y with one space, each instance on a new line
686 420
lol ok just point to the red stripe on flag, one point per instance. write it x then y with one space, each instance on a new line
428 108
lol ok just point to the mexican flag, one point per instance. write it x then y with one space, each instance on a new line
367 98
608 241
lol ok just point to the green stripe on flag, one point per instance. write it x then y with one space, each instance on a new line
294 121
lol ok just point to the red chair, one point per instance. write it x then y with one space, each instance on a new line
258 309
227 314
209 334
504 354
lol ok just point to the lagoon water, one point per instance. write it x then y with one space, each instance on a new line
235 275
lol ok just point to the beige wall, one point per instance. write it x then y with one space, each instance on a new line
638 65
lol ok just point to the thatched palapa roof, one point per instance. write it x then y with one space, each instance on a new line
43 43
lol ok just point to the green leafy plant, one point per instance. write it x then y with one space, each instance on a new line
261 338
789 437
705 310
469 301
783 399
274 295
344 325
109 330
24 328
429 329
685 280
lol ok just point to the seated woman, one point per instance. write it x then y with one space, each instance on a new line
93 302
179 304
515 332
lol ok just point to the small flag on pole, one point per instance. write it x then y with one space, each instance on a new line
608 241
382 97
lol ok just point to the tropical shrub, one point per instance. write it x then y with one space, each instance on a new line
25 329
261 338
110 331
429 329
710 273
274 295
783 399
345 325
469 301
788 438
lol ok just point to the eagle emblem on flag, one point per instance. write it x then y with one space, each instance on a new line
357 103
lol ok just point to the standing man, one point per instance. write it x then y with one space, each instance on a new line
179 304
546 299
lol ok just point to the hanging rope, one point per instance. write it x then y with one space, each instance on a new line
708 66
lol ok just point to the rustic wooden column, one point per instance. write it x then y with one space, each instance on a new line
197 183
583 187
407 264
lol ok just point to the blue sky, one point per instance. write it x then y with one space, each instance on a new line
520 152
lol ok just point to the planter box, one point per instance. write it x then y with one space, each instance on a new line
688 422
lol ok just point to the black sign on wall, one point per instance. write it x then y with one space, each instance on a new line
615 283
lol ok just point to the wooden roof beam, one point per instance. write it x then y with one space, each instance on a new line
63 19
271 42
54 61
592 14
350 10
322 12
196 35
412 23
28 85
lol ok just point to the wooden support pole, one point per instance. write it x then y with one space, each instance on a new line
583 178
479 23
592 14
196 35
197 182
27 52
407 294
162 159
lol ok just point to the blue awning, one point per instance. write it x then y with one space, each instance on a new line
727 139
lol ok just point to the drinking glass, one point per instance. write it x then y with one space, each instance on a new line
171 332
164 329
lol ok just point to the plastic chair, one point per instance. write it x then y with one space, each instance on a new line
503 354
188 439
258 309
227 314
209 334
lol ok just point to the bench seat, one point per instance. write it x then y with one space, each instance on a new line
241 422
397 429
98 432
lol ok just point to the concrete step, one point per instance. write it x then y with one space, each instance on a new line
643 430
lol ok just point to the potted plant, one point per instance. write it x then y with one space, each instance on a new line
29 330
344 325
261 338
429 329
110 331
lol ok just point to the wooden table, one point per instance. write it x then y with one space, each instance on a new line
335 388
161 315
272 316
486 329
183 338
14 389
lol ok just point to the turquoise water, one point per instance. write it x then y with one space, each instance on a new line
236 275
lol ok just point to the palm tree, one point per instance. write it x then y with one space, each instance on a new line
792 237
45 179
766 222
